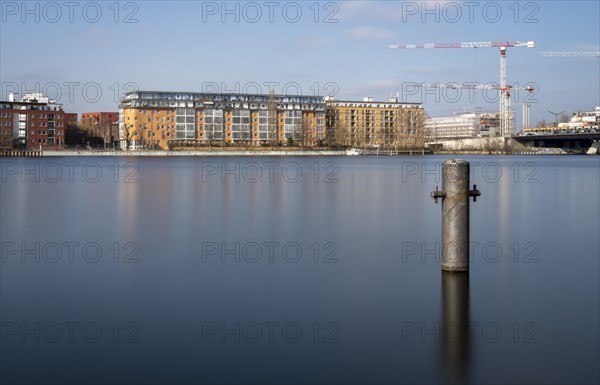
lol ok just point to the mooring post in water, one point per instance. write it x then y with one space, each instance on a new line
455 195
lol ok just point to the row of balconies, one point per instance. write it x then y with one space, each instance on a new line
220 105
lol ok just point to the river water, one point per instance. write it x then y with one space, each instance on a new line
296 270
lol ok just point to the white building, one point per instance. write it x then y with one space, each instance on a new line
583 121
462 125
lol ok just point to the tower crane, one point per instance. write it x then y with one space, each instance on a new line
490 86
506 127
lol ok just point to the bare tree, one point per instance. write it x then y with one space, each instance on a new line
564 118
87 125
209 136
272 119
308 130
430 135
305 132
330 125
128 135
412 128
298 133
106 131
6 138
339 134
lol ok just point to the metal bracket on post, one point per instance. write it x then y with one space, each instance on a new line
437 194
455 196
474 193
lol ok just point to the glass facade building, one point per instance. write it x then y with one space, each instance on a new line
153 119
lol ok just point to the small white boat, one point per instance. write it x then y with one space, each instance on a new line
353 151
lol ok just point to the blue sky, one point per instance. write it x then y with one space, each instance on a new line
86 53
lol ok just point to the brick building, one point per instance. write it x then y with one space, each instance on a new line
72 118
101 125
33 122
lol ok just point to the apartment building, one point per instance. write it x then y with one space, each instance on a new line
72 118
388 124
97 122
101 125
156 119
33 122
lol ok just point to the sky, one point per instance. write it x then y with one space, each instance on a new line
86 54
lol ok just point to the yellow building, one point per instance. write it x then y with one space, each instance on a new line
371 124
150 119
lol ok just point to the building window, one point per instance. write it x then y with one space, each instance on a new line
267 125
185 126
292 125
240 127
213 124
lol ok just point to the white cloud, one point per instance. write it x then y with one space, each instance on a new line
370 33
383 84
384 10
586 47
378 10
99 36
97 31
42 74
314 41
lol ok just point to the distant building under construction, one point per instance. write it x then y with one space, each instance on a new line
462 126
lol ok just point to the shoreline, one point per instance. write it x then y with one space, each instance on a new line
253 153
167 153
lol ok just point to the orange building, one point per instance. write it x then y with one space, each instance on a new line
150 119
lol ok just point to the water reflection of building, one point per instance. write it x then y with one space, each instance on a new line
455 325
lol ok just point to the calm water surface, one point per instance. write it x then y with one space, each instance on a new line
295 270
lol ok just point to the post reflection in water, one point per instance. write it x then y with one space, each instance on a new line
455 325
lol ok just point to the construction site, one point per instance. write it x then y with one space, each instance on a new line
495 132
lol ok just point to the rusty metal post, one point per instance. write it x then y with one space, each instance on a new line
455 213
